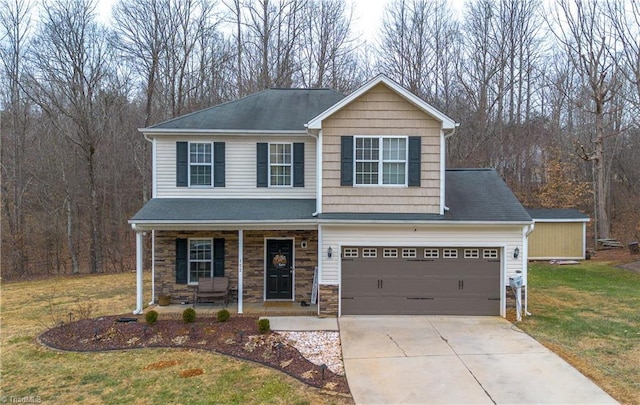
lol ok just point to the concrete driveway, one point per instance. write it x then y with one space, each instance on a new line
455 360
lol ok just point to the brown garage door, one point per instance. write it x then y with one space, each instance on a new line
428 281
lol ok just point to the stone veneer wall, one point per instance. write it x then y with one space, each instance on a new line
328 304
306 259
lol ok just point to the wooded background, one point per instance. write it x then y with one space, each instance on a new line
548 93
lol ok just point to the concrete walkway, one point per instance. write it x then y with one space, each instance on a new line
445 360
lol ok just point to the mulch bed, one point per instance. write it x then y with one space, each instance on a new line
238 337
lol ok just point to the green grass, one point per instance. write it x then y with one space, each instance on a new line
120 377
590 314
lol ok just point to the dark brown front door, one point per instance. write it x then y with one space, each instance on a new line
279 269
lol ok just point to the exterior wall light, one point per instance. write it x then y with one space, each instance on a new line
329 252
303 244
516 253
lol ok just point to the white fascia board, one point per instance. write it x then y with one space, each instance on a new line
542 221
223 225
234 132
447 123
414 223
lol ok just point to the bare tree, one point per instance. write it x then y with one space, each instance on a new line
16 127
584 31
328 45
71 62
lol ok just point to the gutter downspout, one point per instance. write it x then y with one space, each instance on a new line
317 137
139 265
443 167
525 257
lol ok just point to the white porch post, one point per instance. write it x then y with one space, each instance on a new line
139 264
240 268
153 267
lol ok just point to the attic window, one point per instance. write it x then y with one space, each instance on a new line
380 160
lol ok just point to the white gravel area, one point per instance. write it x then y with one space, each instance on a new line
319 347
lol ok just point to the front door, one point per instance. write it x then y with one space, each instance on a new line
279 269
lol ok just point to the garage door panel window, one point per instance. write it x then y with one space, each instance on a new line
490 253
370 252
431 253
471 253
450 253
409 253
350 252
390 253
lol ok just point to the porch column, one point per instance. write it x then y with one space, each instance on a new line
240 268
153 267
139 257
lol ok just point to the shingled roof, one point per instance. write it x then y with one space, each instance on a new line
557 214
268 110
472 195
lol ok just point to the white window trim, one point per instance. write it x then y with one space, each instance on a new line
369 253
210 240
381 161
200 164
290 165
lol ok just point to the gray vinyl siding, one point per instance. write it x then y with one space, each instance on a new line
240 165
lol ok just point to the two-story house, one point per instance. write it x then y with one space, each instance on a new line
279 185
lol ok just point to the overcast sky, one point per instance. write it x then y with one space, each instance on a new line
366 20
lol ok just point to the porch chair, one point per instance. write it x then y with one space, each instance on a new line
212 288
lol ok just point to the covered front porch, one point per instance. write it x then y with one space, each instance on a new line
270 271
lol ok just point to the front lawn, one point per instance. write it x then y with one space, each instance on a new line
590 315
31 372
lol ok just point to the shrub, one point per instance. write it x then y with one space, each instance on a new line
264 325
189 315
151 317
223 315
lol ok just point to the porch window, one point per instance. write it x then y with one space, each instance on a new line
200 163
200 259
380 160
280 164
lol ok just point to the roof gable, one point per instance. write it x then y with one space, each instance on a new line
447 123
272 110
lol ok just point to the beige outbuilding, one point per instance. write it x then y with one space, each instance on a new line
558 234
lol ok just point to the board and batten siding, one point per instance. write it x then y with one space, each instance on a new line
240 167
507 237
557 240
381 111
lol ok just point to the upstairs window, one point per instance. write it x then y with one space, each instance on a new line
200 164
380 160
280 164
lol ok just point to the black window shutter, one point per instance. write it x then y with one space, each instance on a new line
346 167
182 262
262 159
182 164
415 154
218 257
218 164
298 165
